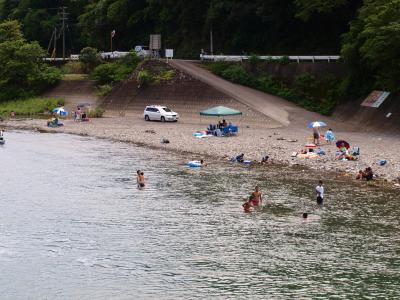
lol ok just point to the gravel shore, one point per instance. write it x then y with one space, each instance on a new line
257 137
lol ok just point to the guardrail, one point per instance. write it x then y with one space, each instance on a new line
297 58
60 58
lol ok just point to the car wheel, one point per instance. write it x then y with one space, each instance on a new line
162 119
146 118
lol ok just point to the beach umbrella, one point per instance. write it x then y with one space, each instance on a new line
342 143
316 124
60 111
220 111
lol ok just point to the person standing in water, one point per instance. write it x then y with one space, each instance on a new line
141 179
137 177
256 197
320 193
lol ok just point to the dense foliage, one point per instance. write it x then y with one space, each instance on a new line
259 26
370 43
22 71
108 73
29 106
320 94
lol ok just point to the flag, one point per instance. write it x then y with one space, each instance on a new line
112 33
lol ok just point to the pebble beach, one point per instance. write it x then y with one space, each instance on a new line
256 139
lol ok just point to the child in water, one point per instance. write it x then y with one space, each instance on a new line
247 206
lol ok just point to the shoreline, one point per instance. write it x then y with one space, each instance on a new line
180 142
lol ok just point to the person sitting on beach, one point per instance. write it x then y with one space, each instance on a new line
141 179
368 174
343 151
240 158
256 197
202 163
85 117
219 126
360 175
329 136
265 159
247 206
224 124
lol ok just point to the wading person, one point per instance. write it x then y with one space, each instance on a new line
256 197
320 193
141 183
247 206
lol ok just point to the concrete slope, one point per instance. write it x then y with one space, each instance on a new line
74 92
274 107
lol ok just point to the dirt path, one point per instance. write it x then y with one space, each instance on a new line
278 109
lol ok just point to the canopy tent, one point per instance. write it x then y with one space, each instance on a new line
220 111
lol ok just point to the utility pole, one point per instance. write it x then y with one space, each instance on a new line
211 42
55 43
64 17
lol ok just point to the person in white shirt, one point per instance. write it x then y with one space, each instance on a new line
320 193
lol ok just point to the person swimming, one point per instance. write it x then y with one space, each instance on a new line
256 197
305 215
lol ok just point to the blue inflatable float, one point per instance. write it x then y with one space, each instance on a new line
194 164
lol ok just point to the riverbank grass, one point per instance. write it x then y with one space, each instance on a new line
29 107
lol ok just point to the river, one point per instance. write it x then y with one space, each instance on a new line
74 226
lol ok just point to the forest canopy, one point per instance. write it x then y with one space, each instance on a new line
365 33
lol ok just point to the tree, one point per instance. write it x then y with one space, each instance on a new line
310 7
10 30
372 45
89 57
23 70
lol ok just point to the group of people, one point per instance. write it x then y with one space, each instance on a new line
80 116
255 199
367 174
223 128
329 136
222 124
344 153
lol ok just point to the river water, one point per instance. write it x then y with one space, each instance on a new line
73 225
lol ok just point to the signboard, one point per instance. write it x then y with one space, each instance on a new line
169 53
375 99
155 42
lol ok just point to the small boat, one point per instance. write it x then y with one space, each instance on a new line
2 140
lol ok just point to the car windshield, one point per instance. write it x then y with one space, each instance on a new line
167 109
